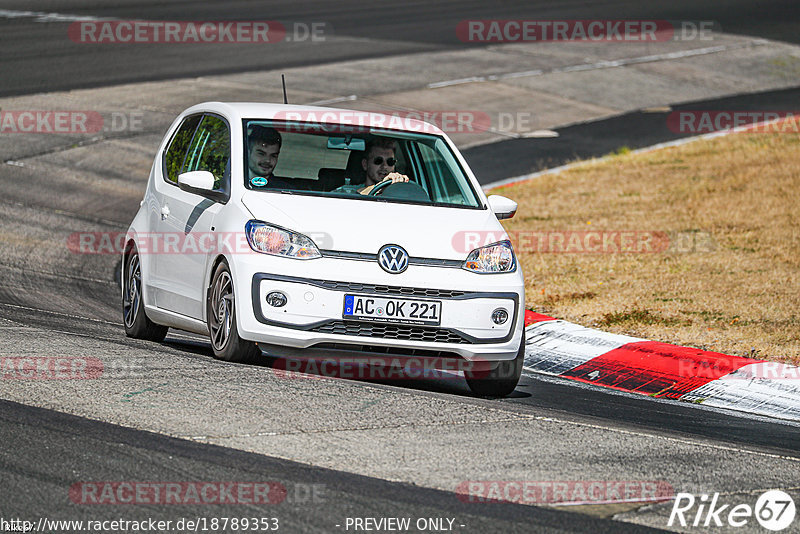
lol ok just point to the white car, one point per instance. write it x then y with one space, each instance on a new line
255 229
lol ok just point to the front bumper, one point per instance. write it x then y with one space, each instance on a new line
312 315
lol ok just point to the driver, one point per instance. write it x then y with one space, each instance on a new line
378 164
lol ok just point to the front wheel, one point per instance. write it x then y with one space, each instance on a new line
137 324
501 380
225 340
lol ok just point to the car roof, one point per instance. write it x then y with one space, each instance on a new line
400 121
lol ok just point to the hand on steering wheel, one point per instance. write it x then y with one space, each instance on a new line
391 178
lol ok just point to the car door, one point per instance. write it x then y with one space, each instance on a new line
187 218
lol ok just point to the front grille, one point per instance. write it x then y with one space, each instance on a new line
388 331
399 291
412 260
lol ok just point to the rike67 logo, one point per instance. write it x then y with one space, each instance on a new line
774 510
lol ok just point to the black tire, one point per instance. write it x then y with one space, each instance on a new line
221 313
137 324
500 381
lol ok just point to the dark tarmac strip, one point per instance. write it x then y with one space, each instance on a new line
638 129
39 56
43 453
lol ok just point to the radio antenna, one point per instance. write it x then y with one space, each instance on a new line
283 81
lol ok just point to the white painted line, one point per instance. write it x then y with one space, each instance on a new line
41 16
523 74
540 134
459 81
59 314
348 98
662 437
605 64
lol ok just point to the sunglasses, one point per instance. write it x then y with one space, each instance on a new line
389 161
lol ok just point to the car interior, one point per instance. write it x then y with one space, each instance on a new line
316 160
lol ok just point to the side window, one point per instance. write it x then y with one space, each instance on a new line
444 185
210 150
176 153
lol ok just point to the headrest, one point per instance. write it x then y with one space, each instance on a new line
354 170
330 179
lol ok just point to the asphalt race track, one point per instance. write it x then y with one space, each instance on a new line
123 454
169 412
635 129
35 58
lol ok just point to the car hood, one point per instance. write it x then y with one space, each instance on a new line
365 226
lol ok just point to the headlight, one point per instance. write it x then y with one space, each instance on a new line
495 258
269 239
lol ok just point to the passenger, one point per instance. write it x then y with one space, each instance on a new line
264 147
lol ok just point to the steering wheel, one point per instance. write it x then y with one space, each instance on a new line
379 187
400 191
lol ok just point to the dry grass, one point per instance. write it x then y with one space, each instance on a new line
730 279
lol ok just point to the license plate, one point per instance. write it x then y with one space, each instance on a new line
389 310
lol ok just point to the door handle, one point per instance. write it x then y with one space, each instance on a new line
164 212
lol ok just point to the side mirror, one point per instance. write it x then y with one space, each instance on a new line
200 183
502 207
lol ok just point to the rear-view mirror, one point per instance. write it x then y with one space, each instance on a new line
347 143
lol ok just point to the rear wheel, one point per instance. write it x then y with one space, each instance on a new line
225 340
137 324
500 381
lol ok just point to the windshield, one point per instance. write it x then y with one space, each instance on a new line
369 164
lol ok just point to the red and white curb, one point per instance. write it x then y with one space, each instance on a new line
661 370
